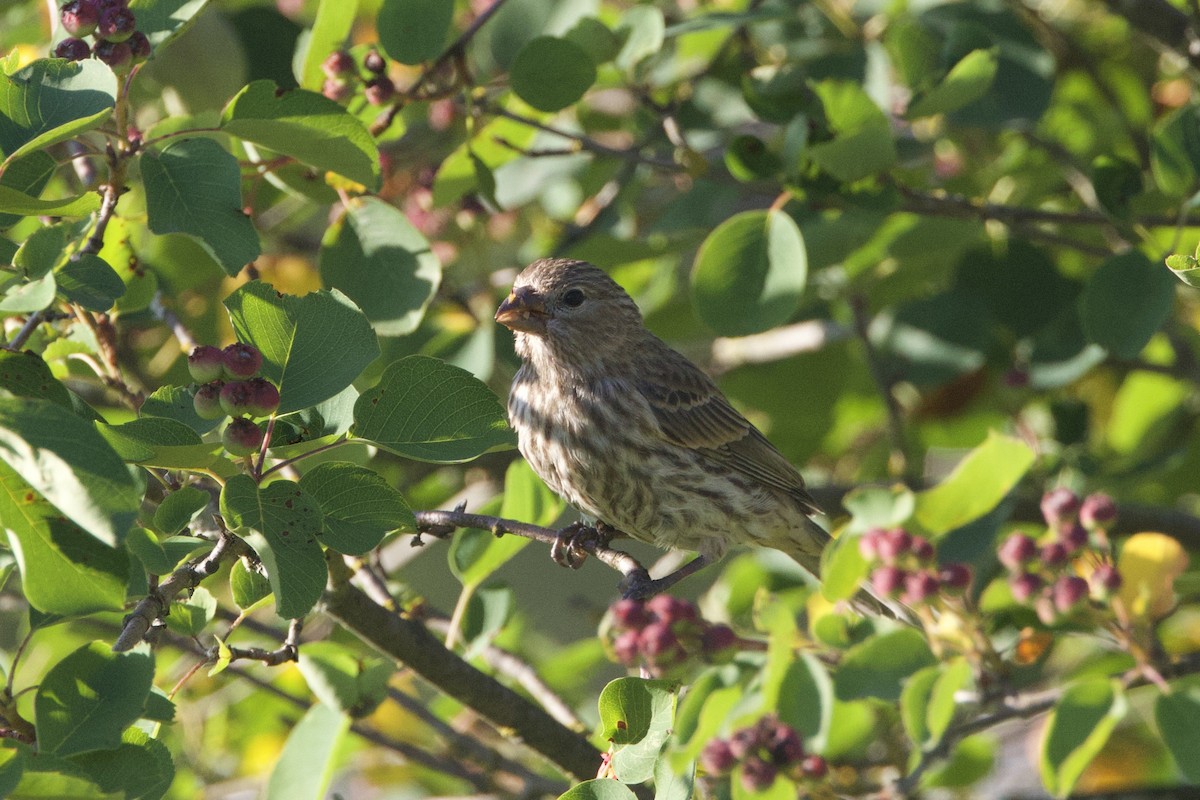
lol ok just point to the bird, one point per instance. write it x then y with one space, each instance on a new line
636 436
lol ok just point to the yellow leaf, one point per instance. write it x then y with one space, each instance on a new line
1149 564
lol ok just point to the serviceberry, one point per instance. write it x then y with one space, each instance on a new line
379 90
206 364
1069 591
1017 551
1059 507
242 437
1024 586
116 24
241 360
1097 512
116 54
72 49
888 581
79 17
207 401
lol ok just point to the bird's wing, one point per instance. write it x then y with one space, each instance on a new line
692 412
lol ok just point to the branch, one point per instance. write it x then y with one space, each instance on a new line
1162 22
288 651
155 605
410 643
900 463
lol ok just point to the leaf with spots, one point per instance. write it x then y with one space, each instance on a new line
360 507
426 409
282 523
27 375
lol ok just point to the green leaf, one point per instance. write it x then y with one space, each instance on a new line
165 443
976 486
1176 714
777 93
139 769
313 346
179 508
42 250
335 19
148 550
63 458
1077 729
359 506
376 257
970 762
805 699
63 569
1185 267
344 680
1127 300
598 789
1019 283
248 586
17 202
595 39
927 703
12 764
914 700
52 100
1175 152
25 374
90 282
163 20
28 177
176 403
190 616
282 523
88 698
750 273
672 785
636 716
863 144
306 764
879 506
843 568
488 610
306 126
21 296
460 171
642 28
425 409
551 74
412 31
193 186
330 417
878 666
966 82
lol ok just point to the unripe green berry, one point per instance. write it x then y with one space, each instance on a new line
242 437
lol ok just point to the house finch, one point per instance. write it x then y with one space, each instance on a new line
633 434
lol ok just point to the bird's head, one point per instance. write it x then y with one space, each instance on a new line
570 308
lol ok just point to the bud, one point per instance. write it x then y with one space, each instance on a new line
116 24
757 774
630 614
1069 591
625 647
207 401
79 17
955 578
888 581
919 587
892 544
1059 507
1017 551
116 54
338 64
1055 554
139 47
373 62
337 90
72 50
1105 581
717 757
241 360
1024 586
922 549
718 643
1098 512
242 437
814 767
206 364
670 609
379 90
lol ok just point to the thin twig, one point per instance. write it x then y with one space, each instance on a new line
187 341
31 323
287 652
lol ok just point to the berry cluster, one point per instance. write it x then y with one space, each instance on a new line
342 74
905 567
665 633
111 24
1041 571
229 386
765 749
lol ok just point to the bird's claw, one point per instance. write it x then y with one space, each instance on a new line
568 549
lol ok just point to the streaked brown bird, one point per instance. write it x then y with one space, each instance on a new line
635 435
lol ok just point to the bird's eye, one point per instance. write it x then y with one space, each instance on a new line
573 298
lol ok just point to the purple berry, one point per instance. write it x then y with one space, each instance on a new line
338 64
868 544
1059 507
116 54
264 397
139 47
1105 580
784 745
1098 512
1055 554
207 401
241 360
1024 586
814 767
892 544
116 24
670 610
373 62
719 643
745 741
206 364
888 581
625 647
1074 537
79 17
955 578
235 399
630 614
717 757
379 90
657 640
1017 551
1069 591
72 50
757 774
242 437
920 586
337 90
922 549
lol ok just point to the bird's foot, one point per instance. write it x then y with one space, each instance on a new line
569 546
638 585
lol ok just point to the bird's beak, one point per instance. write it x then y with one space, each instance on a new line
523 310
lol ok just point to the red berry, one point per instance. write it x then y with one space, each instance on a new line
784 745
207 401
630 614
868 544
955 578
116 24
745 741
625 647
206 364
1024 586
1059 507
892 544
72 50
379 90
1074 536
717 757
373 62
242 360
922 549
79 17
1055 554
718 643
814 767
1069 591
757 774
1017 551
920 586
1105 580
235 399
337 64
888 581
139 47
657 639
670 610
116 54
263 397
1098 512
337 90
242 437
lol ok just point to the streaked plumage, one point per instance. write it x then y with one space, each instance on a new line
636 436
